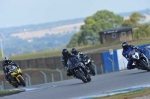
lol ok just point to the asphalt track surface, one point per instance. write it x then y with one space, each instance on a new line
71 89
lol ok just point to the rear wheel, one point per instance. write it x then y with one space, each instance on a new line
92 71
81 76
144 65
22 82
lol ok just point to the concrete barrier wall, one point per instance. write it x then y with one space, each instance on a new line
1 68
41 62
110 61
54 62
32 63
97 58
58 62
23 64
121 60
50 63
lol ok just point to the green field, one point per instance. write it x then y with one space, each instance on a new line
9 92
129 95
89 48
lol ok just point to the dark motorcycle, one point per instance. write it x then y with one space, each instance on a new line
139 59
77 68
88 63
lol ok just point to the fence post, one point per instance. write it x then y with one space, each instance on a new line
102 69
0 87
52 77
3 85
28 78
61 76
45 79
112 61
95 68
27 84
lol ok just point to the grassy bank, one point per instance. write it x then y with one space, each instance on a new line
129 95
9 92
88 48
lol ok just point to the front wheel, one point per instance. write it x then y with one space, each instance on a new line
16 86
144 65
81 76
22 82
88 78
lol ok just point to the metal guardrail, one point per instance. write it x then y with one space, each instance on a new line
45 78
52 77
29 78
61 76
95 68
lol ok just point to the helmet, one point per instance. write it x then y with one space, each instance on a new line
6 60
74 51
65 52
125 45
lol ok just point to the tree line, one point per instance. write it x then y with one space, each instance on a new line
103 20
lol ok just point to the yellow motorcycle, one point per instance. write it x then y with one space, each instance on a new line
16 76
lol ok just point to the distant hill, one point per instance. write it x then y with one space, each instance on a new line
45 36
144 12
39 37
60 30
36 27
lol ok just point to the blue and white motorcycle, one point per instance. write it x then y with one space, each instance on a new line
139 59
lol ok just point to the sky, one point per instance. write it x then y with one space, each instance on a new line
25 12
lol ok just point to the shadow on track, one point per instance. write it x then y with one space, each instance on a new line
77 83
135 73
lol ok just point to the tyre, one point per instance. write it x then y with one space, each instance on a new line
81 76
92 71
22 82
16 86
144 65
88 78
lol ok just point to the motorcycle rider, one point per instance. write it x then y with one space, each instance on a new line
7 62
74 51
66 56
64 60
77 53
126 49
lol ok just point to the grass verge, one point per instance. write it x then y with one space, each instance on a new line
9 92
91 48
128 95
